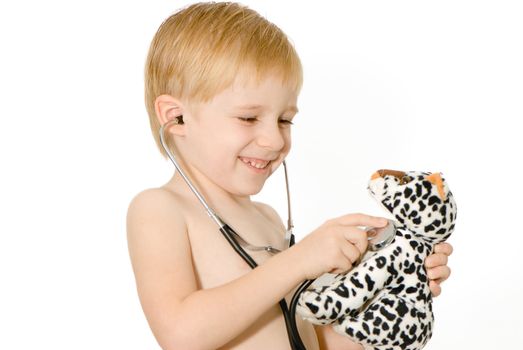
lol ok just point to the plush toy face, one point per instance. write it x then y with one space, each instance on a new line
419 200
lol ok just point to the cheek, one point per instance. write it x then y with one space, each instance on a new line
288 143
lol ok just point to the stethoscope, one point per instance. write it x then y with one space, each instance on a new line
378 239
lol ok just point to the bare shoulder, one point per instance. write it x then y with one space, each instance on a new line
270 213
160 253
154 201
153 211
155 220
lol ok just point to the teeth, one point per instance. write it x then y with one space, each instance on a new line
254 164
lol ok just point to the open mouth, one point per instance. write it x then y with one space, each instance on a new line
255 163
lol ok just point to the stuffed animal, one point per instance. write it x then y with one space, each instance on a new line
385 301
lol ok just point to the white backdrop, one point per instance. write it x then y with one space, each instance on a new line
408 85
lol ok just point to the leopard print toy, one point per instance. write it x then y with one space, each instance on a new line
385 301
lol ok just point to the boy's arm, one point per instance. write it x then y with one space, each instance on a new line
180 316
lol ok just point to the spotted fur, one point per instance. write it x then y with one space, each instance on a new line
385 301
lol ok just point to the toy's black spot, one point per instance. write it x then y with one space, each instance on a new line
434 200
342 291
328 300
413 329
410 269
392 271
407 192
350 331
356 282
402 309
398 289
370 283
389 316
381 261
418 190
366 328
388 302
314 309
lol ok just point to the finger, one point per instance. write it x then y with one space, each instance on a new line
435 260
357 237
344 264
435 288
351 252
443 248
439 274
361 220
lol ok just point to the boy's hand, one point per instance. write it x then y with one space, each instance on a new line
336 245
437 269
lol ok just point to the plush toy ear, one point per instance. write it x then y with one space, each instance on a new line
436 179
375 175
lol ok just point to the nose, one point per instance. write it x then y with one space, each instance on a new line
272 137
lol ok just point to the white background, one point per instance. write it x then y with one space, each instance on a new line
409 85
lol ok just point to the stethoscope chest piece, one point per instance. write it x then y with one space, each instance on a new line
381 237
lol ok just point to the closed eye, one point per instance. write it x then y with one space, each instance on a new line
248 119
286 121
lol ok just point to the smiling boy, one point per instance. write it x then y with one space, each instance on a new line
232 80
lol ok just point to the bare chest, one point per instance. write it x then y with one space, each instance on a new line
215 261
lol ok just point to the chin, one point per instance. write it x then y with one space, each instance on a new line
248 189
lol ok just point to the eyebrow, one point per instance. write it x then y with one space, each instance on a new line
254 107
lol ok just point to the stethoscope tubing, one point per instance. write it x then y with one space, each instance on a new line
288 314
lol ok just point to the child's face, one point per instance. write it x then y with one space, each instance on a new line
237 147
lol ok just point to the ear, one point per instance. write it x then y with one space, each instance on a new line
168 108
437 180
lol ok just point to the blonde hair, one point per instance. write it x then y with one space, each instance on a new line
197 53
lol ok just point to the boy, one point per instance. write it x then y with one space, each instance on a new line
231 79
